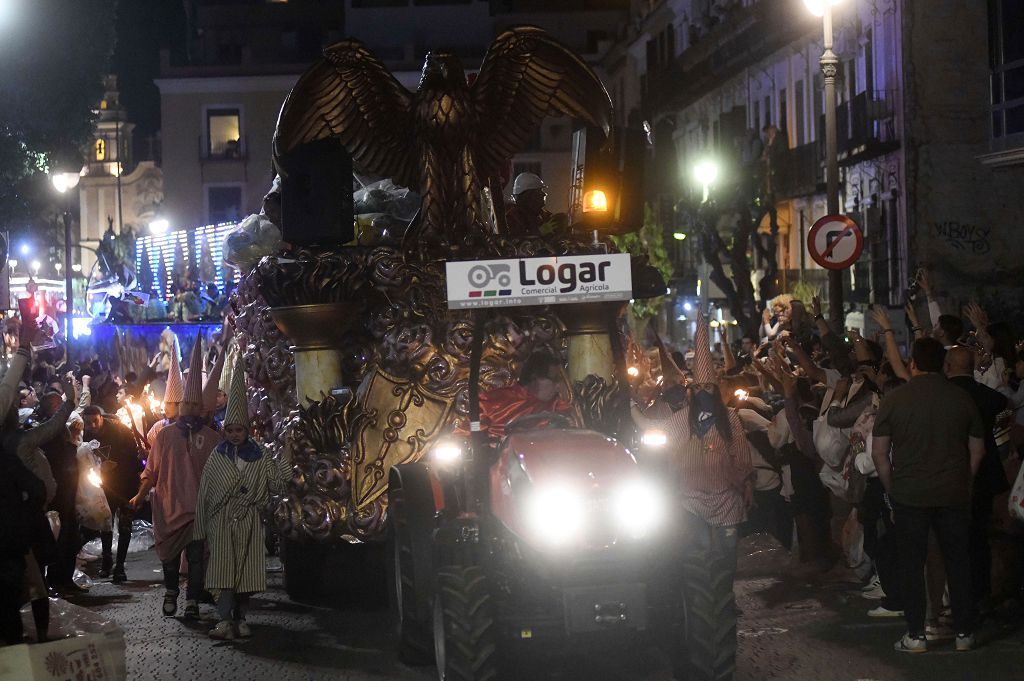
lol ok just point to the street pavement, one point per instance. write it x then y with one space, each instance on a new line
793 625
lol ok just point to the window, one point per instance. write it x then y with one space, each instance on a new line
223 203
783 123
1006 61
798 94
223 133
101 150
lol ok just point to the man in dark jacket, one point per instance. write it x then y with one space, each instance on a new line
22 495
61 453
991 478
120 472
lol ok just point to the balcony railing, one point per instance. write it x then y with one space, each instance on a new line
866 125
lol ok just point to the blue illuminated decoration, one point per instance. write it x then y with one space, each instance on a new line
81 326
160 251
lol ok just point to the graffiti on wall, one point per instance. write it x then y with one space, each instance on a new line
962 236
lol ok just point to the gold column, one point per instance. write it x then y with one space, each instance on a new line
590 347
317 332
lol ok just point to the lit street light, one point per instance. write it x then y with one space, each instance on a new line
159 226
63 182
829 66
35 267
13 263
25 249
8 9
705 172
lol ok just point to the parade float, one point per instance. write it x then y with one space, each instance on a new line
359 356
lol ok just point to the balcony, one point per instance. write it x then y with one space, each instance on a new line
866 126
802 171
746 36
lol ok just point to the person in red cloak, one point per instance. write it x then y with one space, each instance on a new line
535 393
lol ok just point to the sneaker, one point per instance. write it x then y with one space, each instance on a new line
964 642
170 605
118 576
875 594
223 631
912 644
873 583
938 632
243 629
882 611
191 610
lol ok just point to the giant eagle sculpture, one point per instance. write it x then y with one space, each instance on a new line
449 139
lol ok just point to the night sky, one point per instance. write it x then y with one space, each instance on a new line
143 28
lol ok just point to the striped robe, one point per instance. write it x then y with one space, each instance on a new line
228 514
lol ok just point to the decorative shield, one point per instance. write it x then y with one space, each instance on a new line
398 422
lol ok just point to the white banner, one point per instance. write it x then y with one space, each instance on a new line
539 281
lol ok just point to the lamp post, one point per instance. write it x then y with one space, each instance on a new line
62 182
829 66
705 172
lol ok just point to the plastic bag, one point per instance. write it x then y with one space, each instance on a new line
255 237
387 198
142 540
90 501
1016 502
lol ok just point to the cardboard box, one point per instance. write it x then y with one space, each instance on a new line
94 649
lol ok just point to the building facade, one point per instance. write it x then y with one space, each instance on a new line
115 191
925 168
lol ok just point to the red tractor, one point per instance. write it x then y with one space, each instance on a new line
555 540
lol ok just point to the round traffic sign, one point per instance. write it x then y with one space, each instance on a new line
835 242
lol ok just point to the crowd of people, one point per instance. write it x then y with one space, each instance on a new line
799 431
805 433
83 452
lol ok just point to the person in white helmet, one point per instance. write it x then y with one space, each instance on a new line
527 216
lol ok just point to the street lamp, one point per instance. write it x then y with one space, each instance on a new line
63 182
829 66
706 172
35 268
159 226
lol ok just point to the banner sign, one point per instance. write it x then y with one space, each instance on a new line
539 281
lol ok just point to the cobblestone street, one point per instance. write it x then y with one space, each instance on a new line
790 628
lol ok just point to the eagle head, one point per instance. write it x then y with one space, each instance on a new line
442 70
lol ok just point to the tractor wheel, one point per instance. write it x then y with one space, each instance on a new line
465 631
415 645
709 653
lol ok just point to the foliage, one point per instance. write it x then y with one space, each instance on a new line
54 55
648 241
804 291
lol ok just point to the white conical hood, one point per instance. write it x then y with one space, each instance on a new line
237 413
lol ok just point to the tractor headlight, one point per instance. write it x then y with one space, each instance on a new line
446 452
556 514
640 508
654 438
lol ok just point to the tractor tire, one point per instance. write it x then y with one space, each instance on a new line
409 576
709 653
465 629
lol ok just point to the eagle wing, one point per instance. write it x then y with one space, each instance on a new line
525 76
350 95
